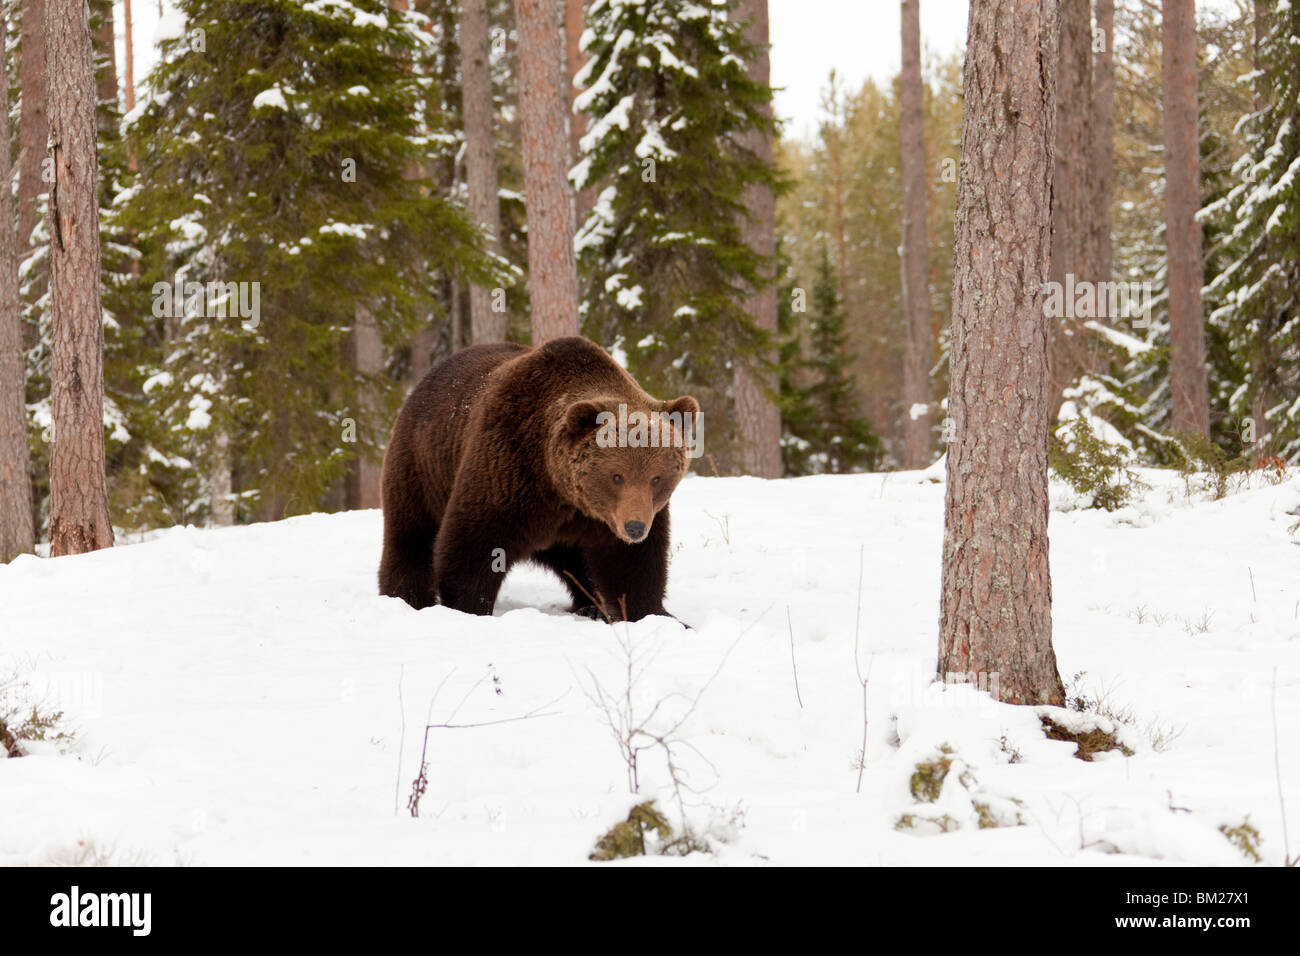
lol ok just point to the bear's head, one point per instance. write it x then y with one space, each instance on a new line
622 461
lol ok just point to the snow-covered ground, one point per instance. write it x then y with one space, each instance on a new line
243 696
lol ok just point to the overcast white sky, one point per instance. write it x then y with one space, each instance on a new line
858 38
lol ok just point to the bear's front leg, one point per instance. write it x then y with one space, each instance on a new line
631 578
471 559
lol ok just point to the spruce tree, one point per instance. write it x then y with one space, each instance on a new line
842 440
664 263
1254 293
283 153
798 417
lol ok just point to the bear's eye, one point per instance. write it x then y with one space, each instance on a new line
654 482
618 479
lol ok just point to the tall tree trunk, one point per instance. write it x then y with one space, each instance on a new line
575 23
128 75
996 606
1101 258
106 47
79 520
367 357
544 132
1072 196
757 417
1186 269
17 534
220 480
486 325
916 282
1265 372
33 122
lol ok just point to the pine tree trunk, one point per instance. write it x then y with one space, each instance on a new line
79 520
996 607
106 47
480 157
916 281
544 132
1186 268
1101 257
1072 195
757 418
17 534
1265 372
33 122
128 75
220 483
367 355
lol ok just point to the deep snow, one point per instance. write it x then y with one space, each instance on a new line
234 693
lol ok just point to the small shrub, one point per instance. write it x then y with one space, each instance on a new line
628 838
927 780
1244 837
1200 456
22 721
943 824
1094 468
646 830
1088 742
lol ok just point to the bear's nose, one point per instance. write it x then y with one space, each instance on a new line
634 529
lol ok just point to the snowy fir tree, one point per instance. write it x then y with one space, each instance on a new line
798 416
823 430
283 154
841 439
664 265
1254 292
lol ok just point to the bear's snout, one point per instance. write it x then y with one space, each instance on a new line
635 530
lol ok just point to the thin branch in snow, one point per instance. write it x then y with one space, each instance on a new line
1277 772
794 666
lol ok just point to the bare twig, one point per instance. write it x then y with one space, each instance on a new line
632 731
1277 771
1253 596
401 741
794 666
857 666
599 604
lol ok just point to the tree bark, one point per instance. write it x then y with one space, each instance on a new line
33 122
1101 256
106 46
916 282
1186 268
128 75
79 520
544 132
996 607
486 325
220 481
17 532
367 355
757 417
1072 195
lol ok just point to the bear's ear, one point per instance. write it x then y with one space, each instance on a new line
580 418
686 405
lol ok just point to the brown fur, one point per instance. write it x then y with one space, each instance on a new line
496 449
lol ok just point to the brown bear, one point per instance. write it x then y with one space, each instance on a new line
506 453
